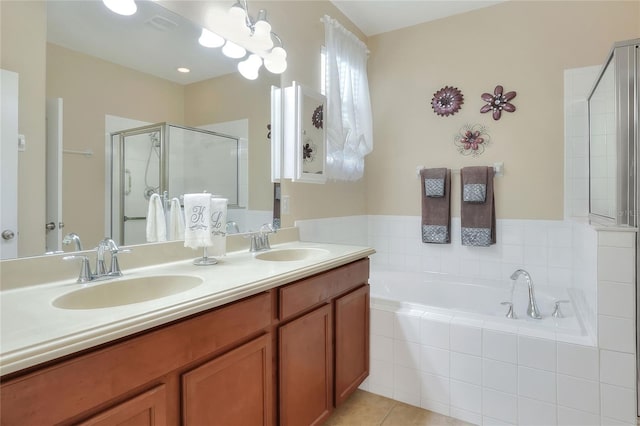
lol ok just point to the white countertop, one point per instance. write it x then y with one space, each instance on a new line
33 331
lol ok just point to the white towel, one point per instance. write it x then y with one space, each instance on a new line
218 227
156 222
197 215
176 221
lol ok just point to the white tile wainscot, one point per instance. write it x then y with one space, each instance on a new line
496 376
617 325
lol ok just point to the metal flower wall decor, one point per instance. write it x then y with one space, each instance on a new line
498 102
447 101
472 139
318 117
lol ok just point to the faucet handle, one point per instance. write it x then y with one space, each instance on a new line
115 266
510 313
85 268
557 313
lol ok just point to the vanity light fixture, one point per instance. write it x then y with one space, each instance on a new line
121 7
256 36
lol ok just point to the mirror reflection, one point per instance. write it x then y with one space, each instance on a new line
107 74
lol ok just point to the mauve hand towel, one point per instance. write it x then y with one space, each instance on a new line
478 219
436 216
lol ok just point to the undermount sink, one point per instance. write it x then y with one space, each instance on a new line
120 292
286 255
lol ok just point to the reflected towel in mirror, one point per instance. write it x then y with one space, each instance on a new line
176 221
156 222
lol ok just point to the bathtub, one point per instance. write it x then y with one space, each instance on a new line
481 303
447 346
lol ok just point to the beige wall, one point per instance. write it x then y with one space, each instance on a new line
522 45
22 50
92 88
232 97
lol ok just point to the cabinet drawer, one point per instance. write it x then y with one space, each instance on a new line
302 295
80 385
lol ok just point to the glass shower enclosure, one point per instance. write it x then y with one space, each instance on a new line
168 160
614 150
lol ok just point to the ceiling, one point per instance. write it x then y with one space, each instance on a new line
381 16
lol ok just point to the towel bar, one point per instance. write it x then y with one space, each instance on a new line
498 169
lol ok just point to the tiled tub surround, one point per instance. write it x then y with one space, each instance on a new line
489 370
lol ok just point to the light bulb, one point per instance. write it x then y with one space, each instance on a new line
210 39
237 13
276 61
238 16
261 38
249 67
232 50
121 7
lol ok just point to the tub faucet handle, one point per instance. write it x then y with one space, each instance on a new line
557 313
510 313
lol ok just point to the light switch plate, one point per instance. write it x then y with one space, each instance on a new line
22 143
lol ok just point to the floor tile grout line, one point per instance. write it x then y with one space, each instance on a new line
395 404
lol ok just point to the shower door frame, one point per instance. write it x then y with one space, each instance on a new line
118 180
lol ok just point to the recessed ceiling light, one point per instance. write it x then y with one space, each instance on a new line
184 70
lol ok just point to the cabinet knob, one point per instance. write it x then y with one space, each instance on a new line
50 226
8 234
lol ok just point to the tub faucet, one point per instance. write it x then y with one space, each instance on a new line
532 308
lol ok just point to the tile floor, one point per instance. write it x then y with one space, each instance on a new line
367 409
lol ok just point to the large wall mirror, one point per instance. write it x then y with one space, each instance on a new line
109 73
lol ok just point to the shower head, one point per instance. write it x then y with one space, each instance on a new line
155 139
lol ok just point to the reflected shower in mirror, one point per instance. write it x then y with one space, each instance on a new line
170 161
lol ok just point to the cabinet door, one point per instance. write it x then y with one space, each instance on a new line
147 409
306 378
232 389
352 342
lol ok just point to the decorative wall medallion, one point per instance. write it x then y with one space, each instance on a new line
447 101
498 102
317 118
472 139
308 149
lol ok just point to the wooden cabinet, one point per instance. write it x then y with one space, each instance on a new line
147 409
241 383
352 342
305 367
323 342
220 367
76 389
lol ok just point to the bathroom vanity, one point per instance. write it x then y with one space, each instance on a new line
287 350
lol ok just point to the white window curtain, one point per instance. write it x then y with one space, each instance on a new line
348 116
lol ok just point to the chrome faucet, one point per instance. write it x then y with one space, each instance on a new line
260 239
532 308
101 272
73 238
